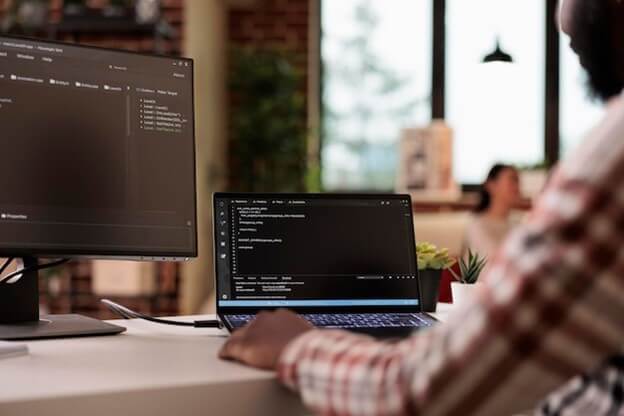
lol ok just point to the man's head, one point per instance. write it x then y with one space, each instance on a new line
596 30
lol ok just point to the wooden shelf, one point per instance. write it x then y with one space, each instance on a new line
101 26
466 203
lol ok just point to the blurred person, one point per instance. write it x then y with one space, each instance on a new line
492 221
551 307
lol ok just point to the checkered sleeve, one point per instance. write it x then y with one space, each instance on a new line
600 392
550 306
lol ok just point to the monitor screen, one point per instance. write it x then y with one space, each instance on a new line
98 152
315 250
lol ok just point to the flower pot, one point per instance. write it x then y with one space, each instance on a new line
462 291
429 288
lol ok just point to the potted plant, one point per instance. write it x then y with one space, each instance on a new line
267 125
470 269
431 262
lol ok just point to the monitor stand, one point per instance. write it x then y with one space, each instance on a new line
20 320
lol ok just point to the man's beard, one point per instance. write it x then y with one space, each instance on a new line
593 40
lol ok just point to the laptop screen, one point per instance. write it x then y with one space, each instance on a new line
308 250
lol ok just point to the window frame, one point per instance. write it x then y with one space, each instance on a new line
438 80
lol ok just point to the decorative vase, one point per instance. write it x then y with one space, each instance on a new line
429 288
147 11
462 291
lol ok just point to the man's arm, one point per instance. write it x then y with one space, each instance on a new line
551 306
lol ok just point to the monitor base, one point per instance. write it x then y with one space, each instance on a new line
19 313
57 326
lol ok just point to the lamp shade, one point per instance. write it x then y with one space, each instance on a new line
498 55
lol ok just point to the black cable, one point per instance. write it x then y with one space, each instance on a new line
120 312
5 279
165 321
127 313
6 264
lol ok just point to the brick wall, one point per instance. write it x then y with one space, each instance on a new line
267 23
173 12
278 24
281 23
273 23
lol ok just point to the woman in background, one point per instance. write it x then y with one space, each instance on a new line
492 220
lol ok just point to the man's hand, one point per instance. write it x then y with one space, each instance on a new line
261 342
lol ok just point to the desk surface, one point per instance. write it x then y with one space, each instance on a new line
151 369
442 311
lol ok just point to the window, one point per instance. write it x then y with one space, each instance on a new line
376 80
496 110
578 112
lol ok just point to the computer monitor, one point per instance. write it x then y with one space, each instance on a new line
98 162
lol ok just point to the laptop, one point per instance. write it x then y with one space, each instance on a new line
340 260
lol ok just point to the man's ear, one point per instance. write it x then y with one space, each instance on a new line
564 17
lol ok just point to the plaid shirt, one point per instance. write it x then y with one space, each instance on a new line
598 393
551 306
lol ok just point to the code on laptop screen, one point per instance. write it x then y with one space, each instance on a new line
315 251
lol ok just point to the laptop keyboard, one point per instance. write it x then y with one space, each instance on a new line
352 320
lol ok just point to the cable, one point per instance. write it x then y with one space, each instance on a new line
120 312
6 264
17 275
130 314
127 313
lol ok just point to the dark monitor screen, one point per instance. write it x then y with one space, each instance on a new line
315 251
98 152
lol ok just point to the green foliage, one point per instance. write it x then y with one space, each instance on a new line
268 122
313 178
430 257
470 268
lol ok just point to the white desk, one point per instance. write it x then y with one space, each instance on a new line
442 311
149 370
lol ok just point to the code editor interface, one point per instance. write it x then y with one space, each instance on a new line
99 149
315 251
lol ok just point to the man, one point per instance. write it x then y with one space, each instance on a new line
551 305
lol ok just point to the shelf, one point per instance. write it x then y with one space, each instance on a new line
98 26
465 203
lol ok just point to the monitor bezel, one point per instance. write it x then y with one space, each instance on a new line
224 310
122 254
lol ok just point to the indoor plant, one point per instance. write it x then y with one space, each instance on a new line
267 128
431 262
470 269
